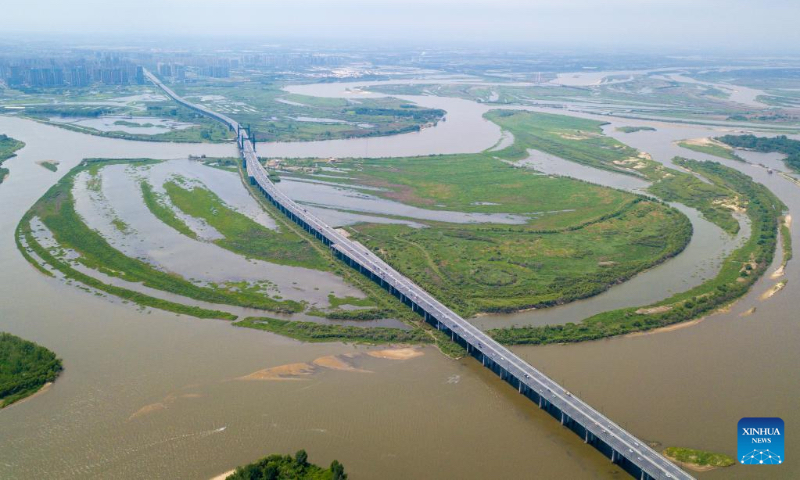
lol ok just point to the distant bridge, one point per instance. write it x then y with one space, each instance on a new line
630 453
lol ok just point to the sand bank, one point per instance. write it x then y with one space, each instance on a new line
397 353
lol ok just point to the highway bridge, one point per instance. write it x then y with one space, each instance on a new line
624 449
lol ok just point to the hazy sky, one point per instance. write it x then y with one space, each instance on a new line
678 24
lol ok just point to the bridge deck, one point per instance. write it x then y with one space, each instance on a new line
574 412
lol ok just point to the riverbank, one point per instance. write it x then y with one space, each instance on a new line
738 273
8 147
780 144
698 460
710 146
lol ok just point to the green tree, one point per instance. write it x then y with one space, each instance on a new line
337 471
301 458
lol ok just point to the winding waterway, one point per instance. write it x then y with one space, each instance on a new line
151 394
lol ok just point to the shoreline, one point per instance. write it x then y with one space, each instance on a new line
691 466
41 391
223 476
667 328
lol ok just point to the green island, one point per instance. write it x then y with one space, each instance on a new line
780 144
228 164
8 148
25 367
241 234
711 146
699 459
635 129
125 123
49 165
56 211
155 203
738 273
284 467
305 118
576 139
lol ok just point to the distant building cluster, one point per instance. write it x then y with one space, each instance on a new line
75 73
291 60
83 67
219 68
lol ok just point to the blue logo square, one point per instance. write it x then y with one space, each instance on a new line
761 441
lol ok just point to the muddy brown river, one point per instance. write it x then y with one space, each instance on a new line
148 394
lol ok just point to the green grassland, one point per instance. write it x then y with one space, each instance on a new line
579 240
156 205
272 120
582 141
575 139
419 333
317 332
699 458
716 149
786 243
24 368
709 198
241 234
56 210
8 147
494 268
280 467
738 273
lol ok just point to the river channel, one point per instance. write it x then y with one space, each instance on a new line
154 395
